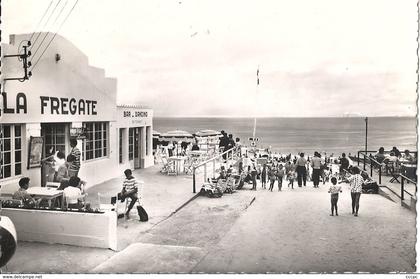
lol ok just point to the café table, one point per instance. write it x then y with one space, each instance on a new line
47 193
179 161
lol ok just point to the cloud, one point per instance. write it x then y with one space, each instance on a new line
317 58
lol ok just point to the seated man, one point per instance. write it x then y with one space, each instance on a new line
73 193
223 173
129 190
22 194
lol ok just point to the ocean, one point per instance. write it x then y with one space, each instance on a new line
293 135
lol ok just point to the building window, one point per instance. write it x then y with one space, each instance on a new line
130 144
55 137
120 146
10 150
96 143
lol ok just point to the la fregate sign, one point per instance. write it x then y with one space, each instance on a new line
48 105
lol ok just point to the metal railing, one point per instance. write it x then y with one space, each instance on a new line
374 163
402 186
229 154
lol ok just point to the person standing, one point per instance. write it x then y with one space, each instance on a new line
254 177
356 181
316 169
75 165
264 176
280 175
301 169
272 177
334 190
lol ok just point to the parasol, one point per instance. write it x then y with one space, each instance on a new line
156 134
177 135
208 133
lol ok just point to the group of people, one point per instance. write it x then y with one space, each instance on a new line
277 170
65 171
395 155
226 142
297 169
65 167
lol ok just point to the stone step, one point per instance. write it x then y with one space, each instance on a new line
408 202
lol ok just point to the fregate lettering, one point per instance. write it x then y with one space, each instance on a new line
54 105
50 105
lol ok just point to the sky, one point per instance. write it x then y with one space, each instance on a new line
200 57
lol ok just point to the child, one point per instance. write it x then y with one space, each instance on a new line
290 178
129 190
280 175
334 190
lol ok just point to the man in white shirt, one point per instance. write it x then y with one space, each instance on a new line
72 193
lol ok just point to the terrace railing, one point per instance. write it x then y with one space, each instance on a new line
372 163
230 154
403 177
367 158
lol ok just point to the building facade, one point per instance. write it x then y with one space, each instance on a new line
66 97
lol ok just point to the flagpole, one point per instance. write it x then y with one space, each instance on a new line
256 96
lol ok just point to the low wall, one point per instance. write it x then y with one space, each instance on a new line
64 227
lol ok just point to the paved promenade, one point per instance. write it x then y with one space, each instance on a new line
247 231
162 195
280 232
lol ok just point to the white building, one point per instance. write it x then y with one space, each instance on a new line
67 97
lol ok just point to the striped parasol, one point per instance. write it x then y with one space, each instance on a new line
177 135
208 133
156 134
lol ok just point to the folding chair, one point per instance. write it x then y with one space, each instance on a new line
395 172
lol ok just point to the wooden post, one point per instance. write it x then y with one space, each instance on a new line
402 188
371 168
205 172
194 180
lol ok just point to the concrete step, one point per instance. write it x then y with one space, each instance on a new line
152 258
408 202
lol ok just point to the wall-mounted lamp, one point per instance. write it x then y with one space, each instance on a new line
57 57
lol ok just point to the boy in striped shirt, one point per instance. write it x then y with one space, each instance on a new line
75 164
129 190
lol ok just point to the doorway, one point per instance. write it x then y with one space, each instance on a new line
134 146
55 139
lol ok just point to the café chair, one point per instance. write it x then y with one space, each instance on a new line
80 204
